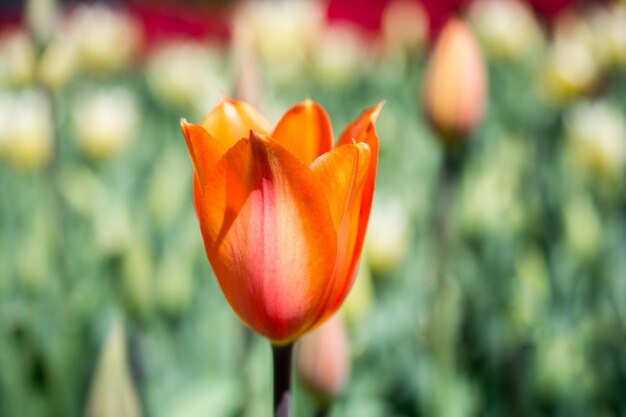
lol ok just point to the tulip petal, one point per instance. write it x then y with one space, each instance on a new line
204 150
305 131
343 172
362 129
232 120
269 236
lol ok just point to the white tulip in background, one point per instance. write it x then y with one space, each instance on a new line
105 120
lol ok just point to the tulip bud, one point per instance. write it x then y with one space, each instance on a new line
506 28
404 25
185 73
18 58
583 228
28 133
108 39
112 392
339 56
323 359
596 133
572 67
41 16
105 121
455 84
609 31
59 62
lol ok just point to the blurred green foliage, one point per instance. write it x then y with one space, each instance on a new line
528 320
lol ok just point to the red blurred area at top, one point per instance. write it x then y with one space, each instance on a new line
167 18
367 13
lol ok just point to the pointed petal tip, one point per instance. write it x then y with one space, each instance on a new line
376 111
183 125
256 136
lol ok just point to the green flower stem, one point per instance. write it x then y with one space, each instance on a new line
282 359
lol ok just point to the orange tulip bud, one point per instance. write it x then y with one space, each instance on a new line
455 85
283 215
323 359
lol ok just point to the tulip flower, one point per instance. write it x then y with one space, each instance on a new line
455 85
282 212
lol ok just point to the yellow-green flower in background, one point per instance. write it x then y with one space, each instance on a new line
285 32
608 24
506 28
59 62
338 56
583 227
105 120
572 66
27 128
17 58
108 39
186 73
596 133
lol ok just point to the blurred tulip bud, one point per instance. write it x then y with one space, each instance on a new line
338 58
583 228
59 62
107 39
455 84
597 138
490 196
323 359
138 276
33 251
104 121
404 26
387 236
113 393
284 32
609 31
174 282
28 128
186 73
41 16
506 28
572 66
80 189
112 226
561 366
531 290
358 303
17 62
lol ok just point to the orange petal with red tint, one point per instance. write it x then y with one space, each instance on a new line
342 173
269 236
305 131
363 130
232 120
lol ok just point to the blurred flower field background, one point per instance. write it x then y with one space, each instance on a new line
105 291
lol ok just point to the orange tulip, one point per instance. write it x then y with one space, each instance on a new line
455 84
282 213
